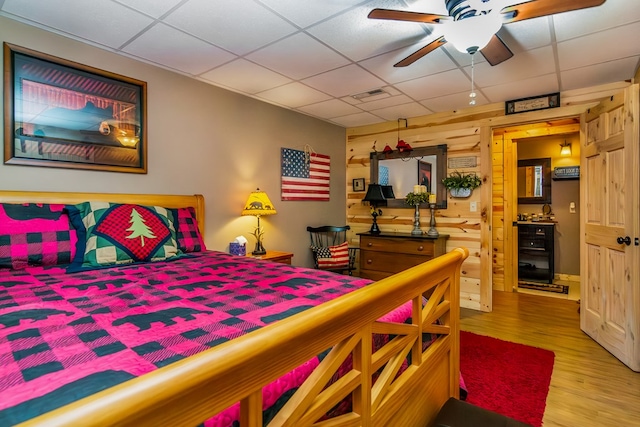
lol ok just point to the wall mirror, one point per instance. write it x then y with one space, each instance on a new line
422 166
534 181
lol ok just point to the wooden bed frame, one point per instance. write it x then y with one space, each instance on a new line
193 389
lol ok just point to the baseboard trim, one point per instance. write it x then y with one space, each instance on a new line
567 277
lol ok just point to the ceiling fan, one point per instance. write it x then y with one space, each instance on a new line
471 25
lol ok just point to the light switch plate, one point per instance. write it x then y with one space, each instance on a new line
473 206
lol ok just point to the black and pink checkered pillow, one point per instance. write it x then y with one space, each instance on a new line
187 232
33 234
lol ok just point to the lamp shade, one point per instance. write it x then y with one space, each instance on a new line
473 33
387 192
258 204
374 195
565 149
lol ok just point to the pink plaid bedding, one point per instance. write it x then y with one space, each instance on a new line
66 336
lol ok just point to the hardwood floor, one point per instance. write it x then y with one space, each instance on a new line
589 387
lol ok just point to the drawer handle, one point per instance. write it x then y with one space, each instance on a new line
369 261
420 248
369 244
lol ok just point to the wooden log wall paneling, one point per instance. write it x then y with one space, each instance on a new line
488 134
464 227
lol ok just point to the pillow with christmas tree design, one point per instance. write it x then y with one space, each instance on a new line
113 234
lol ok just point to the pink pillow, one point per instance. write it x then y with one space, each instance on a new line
32 234
187 231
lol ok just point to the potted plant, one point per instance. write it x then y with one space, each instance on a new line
461 184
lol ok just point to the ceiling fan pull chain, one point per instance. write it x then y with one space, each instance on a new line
472 95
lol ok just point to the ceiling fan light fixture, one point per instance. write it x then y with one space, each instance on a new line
471 34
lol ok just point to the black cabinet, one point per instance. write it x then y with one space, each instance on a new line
535 252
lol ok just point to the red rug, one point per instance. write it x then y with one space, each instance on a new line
508 378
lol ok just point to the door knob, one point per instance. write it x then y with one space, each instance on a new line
626 240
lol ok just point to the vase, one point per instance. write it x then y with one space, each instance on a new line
432 229
460 192
416 221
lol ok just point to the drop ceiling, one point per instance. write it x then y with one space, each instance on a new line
313 56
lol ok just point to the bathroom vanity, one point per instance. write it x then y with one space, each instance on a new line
535 251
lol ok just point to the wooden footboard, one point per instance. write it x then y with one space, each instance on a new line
194 389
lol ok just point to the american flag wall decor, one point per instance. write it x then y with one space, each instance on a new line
305 175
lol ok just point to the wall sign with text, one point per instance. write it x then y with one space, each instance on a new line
566 172
542 102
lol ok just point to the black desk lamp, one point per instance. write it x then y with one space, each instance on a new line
375 197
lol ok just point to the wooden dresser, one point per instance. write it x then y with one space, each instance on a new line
384 254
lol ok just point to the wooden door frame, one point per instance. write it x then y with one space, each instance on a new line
536 124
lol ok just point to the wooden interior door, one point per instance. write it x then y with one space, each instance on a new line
609 186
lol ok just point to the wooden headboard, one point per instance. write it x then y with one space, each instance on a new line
165 200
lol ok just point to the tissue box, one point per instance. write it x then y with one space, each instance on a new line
237 249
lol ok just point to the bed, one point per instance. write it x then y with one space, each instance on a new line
355 352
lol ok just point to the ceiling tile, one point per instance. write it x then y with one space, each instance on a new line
611 14
522 89
412 109
154 8
526 35
290 57
305 13
382 65
453 102
348 80
95 24
437 85
605 46
385 102
293 95
360 119
239 26
358 37
330 108
178 50
599 74
524 65
245 76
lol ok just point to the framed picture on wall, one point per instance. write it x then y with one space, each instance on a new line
424 174
59 113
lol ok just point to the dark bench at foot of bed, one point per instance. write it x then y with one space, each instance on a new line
456 413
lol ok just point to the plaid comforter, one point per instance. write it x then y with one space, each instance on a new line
66 336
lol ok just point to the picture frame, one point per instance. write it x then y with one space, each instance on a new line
533 103
59 113
358 184
424 174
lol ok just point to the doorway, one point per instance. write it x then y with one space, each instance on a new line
548 216
530 140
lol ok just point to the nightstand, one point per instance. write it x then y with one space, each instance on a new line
275 256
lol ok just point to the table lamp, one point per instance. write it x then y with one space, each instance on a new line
375 197
258 204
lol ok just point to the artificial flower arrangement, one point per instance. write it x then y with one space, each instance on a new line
416 198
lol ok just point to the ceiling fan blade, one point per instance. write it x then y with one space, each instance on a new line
402 15
422 52
538 8
496 51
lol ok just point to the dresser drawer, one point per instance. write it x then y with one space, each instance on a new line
388 261
404 246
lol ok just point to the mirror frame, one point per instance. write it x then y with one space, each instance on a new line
546 181
440 151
